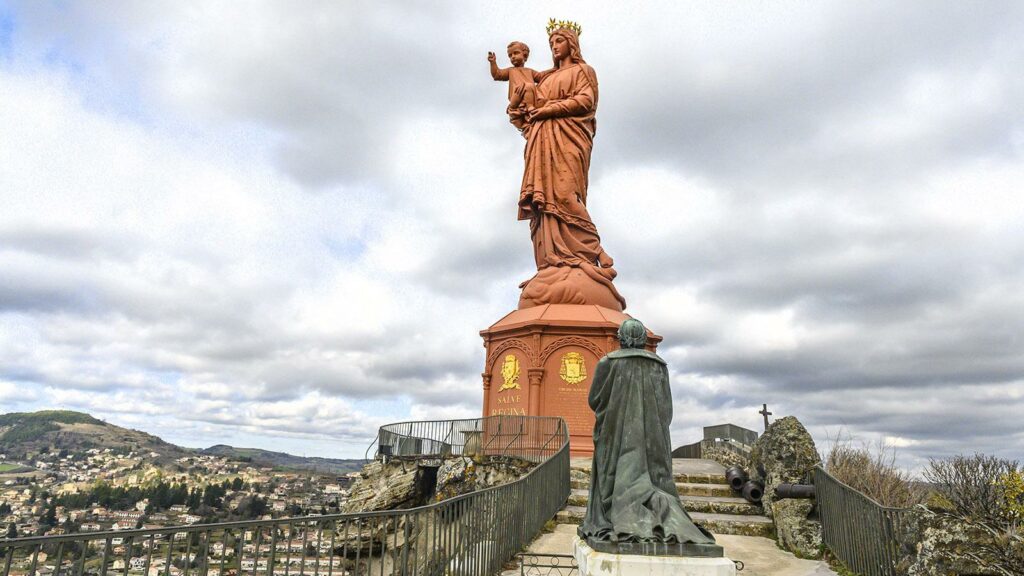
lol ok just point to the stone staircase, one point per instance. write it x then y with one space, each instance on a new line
705 495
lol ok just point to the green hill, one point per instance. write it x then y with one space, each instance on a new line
21 426
26 433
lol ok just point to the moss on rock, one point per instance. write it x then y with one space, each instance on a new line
786 453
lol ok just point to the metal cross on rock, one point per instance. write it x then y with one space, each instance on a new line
764 412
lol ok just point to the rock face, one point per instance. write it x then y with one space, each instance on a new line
399 484
462 475
786 453
796 530
939 546
385 487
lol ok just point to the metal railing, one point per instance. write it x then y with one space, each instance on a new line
533 438
547 565
863 534
473 534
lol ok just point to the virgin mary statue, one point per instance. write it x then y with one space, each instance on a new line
572 267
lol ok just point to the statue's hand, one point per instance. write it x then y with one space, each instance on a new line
491 57
517 96
542 113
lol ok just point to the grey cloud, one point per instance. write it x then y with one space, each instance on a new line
778 116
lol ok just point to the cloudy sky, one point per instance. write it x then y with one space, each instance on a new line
282 224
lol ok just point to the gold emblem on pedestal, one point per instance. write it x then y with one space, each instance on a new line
574 368
510 373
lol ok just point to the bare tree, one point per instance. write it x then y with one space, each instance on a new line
974 489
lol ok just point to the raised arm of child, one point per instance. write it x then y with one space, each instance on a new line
499 74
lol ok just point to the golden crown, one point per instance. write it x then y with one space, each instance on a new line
567 24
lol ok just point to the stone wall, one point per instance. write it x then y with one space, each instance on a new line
724 454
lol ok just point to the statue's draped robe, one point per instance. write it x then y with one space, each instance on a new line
554 190
633 495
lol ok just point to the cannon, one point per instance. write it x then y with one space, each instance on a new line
753 490
736 477
786 490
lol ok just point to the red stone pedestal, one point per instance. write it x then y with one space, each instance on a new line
541 360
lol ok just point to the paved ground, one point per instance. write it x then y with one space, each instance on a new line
760 556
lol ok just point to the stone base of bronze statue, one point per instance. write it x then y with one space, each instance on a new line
540 362
592 562
656 548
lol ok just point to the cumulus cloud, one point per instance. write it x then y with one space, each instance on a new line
286 226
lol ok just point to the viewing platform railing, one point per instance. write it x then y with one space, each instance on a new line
862 533
474 534
533 438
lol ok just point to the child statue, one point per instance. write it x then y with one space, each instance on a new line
521 83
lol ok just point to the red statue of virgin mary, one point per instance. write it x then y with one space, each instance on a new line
572 267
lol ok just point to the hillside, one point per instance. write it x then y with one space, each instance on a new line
282 460
27 433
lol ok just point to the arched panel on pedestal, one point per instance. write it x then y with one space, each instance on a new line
569 365
570 341
509 390
507 345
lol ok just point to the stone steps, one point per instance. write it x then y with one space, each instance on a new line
692 489
735 524
742 525
721 505
581 479
708 504
701 479
703 492
684 488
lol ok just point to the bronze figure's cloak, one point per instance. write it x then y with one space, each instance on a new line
633 495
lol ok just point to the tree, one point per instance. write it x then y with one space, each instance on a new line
12 530
50 519
194 498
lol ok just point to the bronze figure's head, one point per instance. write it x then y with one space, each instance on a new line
632 334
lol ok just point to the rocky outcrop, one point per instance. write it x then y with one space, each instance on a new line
796 528
400 484
462 475
404 484
939 545
786 453
385 487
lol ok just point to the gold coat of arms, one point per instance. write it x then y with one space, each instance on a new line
574 368
510 373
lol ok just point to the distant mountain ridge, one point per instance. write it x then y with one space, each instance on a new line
23 434
281 459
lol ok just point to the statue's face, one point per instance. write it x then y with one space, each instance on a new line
516 56
559 47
